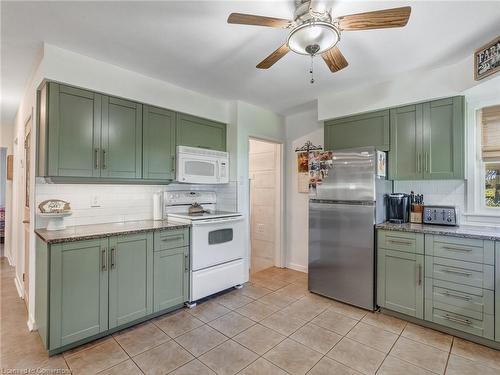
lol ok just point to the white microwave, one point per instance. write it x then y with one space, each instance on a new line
202 166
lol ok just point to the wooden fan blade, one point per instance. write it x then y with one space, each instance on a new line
334 59
273 57
380 19
251 19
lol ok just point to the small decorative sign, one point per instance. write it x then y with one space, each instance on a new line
54 206
487 59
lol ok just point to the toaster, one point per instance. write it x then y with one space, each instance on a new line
441 215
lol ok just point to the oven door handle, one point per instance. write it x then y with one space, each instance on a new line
217 221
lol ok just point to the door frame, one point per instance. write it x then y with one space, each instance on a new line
279 253
27 202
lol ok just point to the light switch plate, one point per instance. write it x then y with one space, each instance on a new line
95 201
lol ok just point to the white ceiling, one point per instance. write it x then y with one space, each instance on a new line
189 43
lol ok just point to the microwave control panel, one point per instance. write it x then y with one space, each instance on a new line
442 215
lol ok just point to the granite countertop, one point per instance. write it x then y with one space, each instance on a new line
93 231
465 231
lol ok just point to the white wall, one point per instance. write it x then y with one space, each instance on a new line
300 128
6 140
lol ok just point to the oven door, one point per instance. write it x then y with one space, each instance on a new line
216 241
197 170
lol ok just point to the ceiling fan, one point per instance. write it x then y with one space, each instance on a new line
314 32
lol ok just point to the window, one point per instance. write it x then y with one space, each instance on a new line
490 155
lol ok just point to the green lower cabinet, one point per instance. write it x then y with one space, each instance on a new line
130 278
78 291
400 285
171 278
497 292
198 132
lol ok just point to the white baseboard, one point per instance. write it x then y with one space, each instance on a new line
19 287
7 255
297 267
32 324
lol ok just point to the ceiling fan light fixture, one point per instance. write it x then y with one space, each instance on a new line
312 38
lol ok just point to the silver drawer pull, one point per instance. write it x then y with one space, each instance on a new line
401 242
461 273
172 238
458 320
457 249
465 298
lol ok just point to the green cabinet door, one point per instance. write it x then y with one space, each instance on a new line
171 278
369 129
74 129
158 143
78 291
444 139
130 278
121 151
406 156
198 132
400 282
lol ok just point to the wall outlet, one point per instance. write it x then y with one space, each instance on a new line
95 201
260 228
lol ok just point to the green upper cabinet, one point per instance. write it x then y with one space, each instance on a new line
427 141
443 139
78 291
369 129
158 143
405 156
130 278
72 130
197 132
121 142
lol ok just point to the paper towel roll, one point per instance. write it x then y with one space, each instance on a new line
157 206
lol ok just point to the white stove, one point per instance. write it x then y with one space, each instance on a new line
217 242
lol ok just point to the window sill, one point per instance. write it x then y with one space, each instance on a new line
481 218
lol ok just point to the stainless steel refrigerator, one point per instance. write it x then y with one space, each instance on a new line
343 211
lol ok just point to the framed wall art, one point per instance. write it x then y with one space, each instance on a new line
487 59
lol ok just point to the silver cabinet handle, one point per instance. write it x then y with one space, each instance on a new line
401 242
96 158
186 262
458 296
426 157
419 162
457 249
103 159
457 272
458 320
173 164
103 259
113 258
419 274
172 238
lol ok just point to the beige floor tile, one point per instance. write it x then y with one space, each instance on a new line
178 323
269 283
231 324
357 356
389 323
327 366
128 367
475 352
278 300
293 291
421 355
304 309
259 339
293 357
194 367
395 366
318 300
232 300
88 345
254 291
262 367
140 338
97 358
257 310
317 338
288 277
200 340
462 366
372 336
162 359
428 336
302 281
348 310
228 358
335 322
208 311
282 323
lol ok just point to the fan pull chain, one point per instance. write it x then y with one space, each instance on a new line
311 70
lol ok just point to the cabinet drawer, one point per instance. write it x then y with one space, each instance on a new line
450 316
171 239
461 296
466 249
456 271
401 241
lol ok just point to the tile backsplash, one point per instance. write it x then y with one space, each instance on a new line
120 202
437 192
